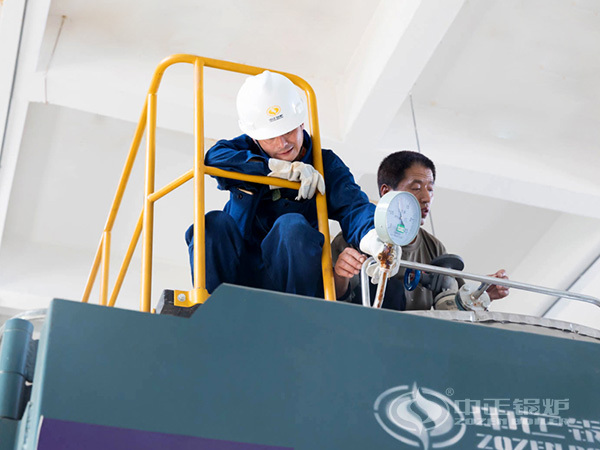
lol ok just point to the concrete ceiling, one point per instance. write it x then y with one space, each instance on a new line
503 96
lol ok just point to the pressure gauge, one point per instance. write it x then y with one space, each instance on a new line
398 218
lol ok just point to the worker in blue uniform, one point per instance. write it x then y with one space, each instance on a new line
268 237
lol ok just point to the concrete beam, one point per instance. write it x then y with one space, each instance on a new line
560 254
569 310
399 41
34 24
532 193
12 17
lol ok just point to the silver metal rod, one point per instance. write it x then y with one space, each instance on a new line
480 290
364 283
500 282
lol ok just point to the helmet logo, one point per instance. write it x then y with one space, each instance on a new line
275 113
273 110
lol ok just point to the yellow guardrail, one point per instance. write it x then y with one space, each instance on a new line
145 224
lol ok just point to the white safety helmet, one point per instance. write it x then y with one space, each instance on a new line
269 105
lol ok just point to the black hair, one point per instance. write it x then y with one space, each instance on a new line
392 169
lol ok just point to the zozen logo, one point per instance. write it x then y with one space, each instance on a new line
420 417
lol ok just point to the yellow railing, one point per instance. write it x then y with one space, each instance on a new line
145 222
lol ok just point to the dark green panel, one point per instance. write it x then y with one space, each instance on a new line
8 431
262 367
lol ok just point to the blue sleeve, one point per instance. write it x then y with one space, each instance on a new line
346 202
237 155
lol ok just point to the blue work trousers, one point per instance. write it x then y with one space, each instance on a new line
287 260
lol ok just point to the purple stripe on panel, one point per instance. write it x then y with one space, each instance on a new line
65 435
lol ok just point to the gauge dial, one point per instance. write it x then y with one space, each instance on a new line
398 217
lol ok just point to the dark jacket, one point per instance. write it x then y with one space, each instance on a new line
256 207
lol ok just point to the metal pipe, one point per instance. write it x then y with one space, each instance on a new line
271 181
13 367
146 282
105 268
500 282
133 149
480 290
364 282
114 209
322 217
93 272
127 260
160 193
199 173
381 288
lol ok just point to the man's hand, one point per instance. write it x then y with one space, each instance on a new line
310 179
497 292
347 265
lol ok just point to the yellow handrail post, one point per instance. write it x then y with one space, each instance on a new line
322 216
146 282
93 272
105 268
114 209
127 260
199 291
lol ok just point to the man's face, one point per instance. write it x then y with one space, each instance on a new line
286 146
418 180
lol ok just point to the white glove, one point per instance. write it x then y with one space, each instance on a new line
371 244
309 178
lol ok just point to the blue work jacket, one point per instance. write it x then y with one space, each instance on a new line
255 207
